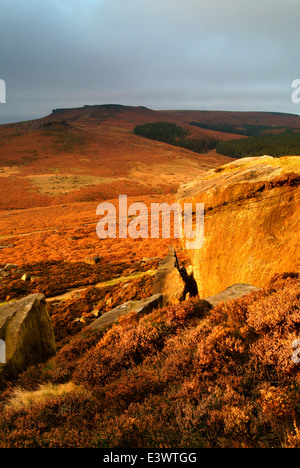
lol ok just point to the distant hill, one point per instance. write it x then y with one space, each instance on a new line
209 120
91 153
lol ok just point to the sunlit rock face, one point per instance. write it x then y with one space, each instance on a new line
251 222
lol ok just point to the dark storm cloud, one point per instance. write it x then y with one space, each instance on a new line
164 54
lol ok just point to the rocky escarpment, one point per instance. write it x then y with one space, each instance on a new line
251 222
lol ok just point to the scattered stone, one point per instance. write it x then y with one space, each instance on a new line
27 331
4 274
96 313
92 260
10 266
85 320
26 277
139 308
33 279
233 292
150 259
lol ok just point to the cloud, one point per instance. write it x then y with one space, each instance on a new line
236 55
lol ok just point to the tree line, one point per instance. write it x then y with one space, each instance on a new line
175 135
259 141
286 143
243 129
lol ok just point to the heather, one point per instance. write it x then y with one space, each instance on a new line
183 376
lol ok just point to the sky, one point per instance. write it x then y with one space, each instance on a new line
163 54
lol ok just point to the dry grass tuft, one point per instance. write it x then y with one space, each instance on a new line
22 399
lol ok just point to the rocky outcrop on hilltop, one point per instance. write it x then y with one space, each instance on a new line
251 224
26 331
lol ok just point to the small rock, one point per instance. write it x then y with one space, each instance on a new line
92 260
4 274
26 277
10 266
95 313
34 278
84 320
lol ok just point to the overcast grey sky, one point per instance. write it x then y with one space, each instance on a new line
163 54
